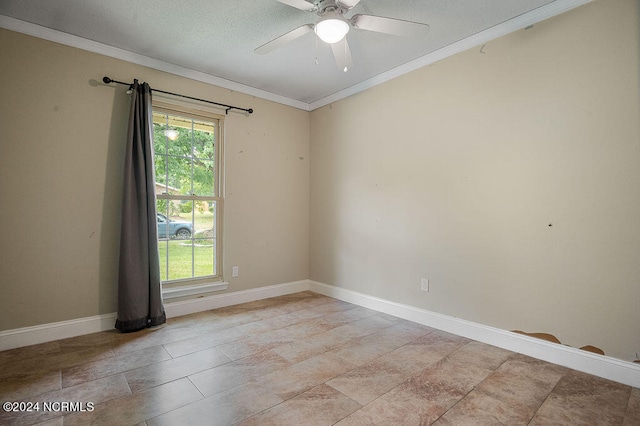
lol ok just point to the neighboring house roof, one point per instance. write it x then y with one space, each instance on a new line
163 187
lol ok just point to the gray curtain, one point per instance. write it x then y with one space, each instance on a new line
139 293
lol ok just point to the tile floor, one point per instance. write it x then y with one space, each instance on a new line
301 359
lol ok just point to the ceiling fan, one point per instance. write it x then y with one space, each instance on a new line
333 26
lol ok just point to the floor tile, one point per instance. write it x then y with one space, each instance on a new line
139 407
106 338
308 347
302 358
53 362
632 415
522 382
221 319
319 406
482 355
209 339
365 383
402 332
221 409
118 364
323 309
445 382
478 409
272 339
23 385
423 398
176 368
321 300
307 374
397 407
227 376
149 338
94 392
58 421
363 350
580 398
202 341
364 327
27 352
337 319
442 342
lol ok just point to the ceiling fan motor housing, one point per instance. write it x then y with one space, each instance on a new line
324 6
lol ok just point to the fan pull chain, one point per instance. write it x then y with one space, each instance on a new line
345 57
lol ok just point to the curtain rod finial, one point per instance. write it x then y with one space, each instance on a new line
106 80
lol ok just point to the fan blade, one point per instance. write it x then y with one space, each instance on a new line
389 26
342 55
299 4
347 4
284 39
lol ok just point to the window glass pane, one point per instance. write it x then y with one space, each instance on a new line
162 208
168 208
203 183
159 137
162 252
162 218
205 221
163 227
179 175
204 260
161 174
181 225
203 140
180 259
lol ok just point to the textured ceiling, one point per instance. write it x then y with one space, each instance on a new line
218 37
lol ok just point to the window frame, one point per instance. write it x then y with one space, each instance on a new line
196 285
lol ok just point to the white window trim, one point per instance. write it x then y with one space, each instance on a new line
193 290
202 284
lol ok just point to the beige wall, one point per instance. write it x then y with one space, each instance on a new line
62 142
456 171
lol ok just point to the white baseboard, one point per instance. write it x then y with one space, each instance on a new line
26 336
598 365
185 307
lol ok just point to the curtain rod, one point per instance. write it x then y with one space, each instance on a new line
108 80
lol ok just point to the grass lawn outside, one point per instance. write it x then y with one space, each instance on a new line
180 255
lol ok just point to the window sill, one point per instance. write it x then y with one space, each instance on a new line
193 290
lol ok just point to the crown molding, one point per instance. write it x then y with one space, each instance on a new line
66 39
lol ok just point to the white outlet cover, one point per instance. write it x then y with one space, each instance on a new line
424 284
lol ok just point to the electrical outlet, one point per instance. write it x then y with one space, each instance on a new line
235 272
424 284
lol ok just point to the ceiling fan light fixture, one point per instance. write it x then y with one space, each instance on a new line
172 134
331 28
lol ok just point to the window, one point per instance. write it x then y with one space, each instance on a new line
188 158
